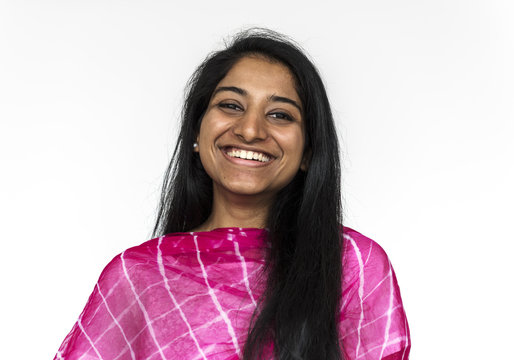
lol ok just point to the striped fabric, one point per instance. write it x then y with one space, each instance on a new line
191 296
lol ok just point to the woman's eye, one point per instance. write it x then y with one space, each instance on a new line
230 106
280 115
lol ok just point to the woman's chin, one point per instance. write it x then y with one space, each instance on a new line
245 189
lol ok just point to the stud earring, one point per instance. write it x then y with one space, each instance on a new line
195 145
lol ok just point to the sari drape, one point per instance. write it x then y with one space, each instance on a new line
192 295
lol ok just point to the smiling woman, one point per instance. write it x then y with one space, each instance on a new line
254 112
250 258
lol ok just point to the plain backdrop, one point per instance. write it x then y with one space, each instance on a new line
422 93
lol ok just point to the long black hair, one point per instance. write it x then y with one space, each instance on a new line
299 309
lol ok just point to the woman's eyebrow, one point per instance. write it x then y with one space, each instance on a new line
230 88
285 100
243 92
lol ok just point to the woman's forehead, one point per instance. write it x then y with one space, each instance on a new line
258 75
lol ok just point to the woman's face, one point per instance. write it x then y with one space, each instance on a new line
251 139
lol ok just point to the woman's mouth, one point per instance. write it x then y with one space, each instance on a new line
247 154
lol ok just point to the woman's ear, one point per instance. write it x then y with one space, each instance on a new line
304 165
195 145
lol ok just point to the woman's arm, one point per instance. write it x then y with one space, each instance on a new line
373 324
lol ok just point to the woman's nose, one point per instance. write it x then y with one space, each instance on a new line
251 127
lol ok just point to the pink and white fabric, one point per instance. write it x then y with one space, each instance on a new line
191 296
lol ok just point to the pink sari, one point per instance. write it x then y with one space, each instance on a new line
191 296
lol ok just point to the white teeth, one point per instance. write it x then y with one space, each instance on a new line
249 155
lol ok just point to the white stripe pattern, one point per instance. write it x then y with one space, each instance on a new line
245 271
392 342
204 326
125 311
132 354
389 312
177 306
89 340
406 340
370 322
361 291
141 306
215 300
377 286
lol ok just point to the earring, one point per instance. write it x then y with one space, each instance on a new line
195 145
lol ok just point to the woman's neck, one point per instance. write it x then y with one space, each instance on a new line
235 210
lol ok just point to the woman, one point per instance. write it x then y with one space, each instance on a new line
252 261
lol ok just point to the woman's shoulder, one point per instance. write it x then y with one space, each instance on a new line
165 249
140 256
362 249
366 268
365 263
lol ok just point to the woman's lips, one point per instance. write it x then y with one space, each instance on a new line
247 157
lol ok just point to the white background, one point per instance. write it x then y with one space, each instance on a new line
422 92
